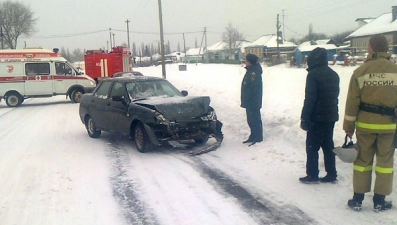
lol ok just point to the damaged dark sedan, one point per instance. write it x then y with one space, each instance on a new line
149 110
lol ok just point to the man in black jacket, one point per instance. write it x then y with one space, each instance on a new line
319 114
251 98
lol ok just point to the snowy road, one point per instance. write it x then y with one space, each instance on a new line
51 172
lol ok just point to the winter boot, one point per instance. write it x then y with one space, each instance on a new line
356 202
250 139
329 179
309 180
380 204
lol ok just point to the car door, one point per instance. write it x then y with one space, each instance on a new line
118 121
98 105
65 77
38 79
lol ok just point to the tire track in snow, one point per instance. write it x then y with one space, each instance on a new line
124 189
263 210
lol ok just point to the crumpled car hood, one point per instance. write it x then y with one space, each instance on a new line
177 108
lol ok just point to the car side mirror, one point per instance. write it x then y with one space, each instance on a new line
184 93
119 98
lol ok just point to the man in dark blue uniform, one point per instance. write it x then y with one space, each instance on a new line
251 98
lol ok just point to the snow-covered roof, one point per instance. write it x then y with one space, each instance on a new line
319 42
195 51
218 46
365 20
382 24
223 45
177 54
270 41
308 48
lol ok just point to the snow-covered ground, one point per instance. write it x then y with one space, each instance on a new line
51 172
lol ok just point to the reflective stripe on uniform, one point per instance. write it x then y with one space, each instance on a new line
350 118
362 168
372 126
383 170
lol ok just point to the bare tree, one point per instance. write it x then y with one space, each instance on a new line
340 37
16 19
77 55
66 54
231 36
134 49
312 36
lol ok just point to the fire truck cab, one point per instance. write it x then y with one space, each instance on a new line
100 64
37 72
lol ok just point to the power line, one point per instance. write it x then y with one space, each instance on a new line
173 33
70 35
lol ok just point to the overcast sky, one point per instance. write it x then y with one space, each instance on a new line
85 23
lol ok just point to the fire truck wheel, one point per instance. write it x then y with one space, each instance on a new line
14 99
75 96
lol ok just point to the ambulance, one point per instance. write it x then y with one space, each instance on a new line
37 72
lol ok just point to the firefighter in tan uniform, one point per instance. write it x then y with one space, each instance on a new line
370 104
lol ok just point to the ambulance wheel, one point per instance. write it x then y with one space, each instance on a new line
14 99
75 96
92 130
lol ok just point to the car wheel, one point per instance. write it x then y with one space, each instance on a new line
75 96
14 99
202 140
142 141
92 130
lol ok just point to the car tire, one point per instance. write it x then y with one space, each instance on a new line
202 140
142 141
14 99
92 130
75 96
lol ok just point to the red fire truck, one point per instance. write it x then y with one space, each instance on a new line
100 64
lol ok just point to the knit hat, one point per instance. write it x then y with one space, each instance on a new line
253 59
379 43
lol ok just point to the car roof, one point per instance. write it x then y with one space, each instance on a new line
130 73
134 78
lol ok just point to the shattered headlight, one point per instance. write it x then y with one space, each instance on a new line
159 118
210 116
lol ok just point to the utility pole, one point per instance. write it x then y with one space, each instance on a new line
107 46
283 25
162 41
114 42
184 47
201 45
128 33
110 37
2 37
207 60
278 41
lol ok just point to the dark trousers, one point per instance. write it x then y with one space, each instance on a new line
255 123
320 135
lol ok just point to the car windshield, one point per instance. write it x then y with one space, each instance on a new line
151 88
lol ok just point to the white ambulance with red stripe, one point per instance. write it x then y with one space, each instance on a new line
37 72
